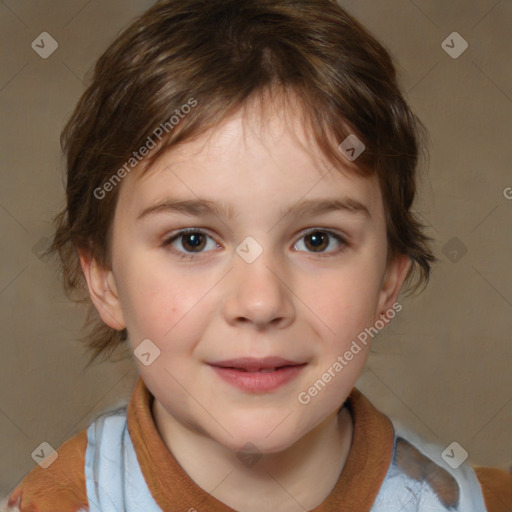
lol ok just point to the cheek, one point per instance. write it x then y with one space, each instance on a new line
344 301
159 302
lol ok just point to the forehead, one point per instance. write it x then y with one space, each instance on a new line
260 124
266 151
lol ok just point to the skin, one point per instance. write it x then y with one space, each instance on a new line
293 301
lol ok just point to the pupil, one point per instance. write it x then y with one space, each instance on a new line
317 239
193 240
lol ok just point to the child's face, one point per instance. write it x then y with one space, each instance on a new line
290 302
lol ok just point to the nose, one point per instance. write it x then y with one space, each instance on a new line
258 293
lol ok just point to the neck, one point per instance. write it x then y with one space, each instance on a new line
296 479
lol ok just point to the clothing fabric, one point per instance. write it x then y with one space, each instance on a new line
120 463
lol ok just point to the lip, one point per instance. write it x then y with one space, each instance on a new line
254 364
246 373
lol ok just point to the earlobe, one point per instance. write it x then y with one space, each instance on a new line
392 282
102 290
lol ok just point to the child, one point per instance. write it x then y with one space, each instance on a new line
240 176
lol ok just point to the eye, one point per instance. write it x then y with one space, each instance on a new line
191 241
318 240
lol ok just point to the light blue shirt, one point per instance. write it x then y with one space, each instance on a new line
115 482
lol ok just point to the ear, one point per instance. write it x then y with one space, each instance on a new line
102 290
392 282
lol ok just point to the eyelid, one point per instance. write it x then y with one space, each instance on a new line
341 239
184 231
333 232
170 239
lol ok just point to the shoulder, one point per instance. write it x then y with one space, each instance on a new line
422 476
60 487
497 488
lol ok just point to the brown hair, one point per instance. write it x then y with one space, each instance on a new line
221 54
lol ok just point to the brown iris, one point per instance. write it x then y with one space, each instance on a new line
193 242
319 240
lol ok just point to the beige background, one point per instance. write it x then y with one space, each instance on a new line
444 365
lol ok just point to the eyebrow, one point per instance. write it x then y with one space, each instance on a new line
204 207
319 206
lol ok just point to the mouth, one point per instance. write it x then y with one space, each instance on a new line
250 364
258 375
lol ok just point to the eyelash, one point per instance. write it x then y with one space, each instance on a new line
190 256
